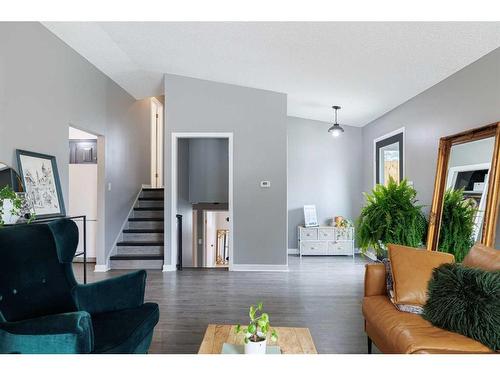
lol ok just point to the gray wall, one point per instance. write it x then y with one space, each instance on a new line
44 87
322 170
468 99
257 119
208 170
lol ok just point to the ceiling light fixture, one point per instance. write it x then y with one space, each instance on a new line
336 130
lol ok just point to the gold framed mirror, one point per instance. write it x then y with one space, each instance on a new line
468 161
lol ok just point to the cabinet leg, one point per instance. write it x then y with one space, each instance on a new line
369 342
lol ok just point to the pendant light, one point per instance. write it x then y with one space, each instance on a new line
336 130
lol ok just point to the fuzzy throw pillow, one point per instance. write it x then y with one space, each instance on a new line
467 301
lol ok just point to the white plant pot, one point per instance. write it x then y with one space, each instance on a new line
256 347
9 216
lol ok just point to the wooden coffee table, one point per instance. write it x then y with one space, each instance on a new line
291 340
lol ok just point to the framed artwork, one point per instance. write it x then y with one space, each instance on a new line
41 183
310 217
389 157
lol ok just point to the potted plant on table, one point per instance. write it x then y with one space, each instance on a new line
391 215
256 332
13 206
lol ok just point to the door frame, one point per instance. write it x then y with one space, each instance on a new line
101 262
173 203
157 129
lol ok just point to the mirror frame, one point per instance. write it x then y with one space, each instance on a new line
491 209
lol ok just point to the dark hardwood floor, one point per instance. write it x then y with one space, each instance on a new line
321 293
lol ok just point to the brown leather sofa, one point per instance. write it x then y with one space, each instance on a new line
398 332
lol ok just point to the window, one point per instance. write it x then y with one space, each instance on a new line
389 157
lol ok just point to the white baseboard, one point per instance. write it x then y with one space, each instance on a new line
101 268
169 268
259 267
293 252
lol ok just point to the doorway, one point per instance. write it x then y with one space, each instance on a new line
86 189
156 143
202 192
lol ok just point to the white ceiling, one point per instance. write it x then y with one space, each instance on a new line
367 68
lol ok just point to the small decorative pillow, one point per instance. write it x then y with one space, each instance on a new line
467 301
390 292
411 271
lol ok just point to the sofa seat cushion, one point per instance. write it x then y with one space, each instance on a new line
122 331
394 331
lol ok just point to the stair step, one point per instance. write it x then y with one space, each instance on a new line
150 202
140 243
148 212
145 219
143 235
136 261
136 257
139 250
143 231
145 223
151 193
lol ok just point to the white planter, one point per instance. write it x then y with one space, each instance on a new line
256 347
9 216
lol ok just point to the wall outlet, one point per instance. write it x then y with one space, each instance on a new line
265 184
109 186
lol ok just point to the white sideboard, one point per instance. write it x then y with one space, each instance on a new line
326 240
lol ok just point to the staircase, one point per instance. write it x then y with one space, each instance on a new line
141 244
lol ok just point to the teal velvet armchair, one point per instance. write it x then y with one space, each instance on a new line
44 310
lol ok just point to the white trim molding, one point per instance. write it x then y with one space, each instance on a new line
169 268
381 138
102 267
293 252
260 267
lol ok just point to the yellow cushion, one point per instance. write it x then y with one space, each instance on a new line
411 272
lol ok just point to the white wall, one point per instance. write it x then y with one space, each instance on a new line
45 86
322 170
257 119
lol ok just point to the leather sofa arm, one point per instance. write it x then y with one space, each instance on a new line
67 333
375 280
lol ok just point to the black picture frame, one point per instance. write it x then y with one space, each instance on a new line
61 211
396 138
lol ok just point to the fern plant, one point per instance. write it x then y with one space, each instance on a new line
457 224
391 215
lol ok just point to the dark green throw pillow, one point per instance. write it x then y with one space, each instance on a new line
467 301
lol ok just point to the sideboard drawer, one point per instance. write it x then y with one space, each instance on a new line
326 234
340 248
313 248
308 233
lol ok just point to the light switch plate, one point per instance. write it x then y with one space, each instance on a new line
265 184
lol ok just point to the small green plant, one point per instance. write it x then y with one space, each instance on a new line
6 193
391 215
259 325
457 224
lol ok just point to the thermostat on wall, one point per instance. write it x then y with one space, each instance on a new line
265 184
